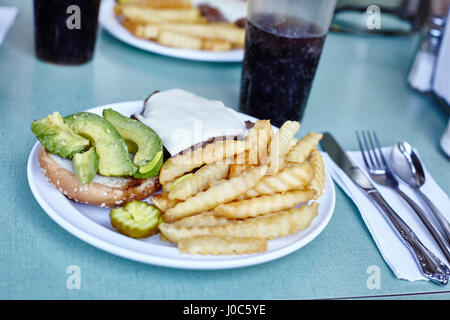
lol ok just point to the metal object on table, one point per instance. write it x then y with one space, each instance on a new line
429 265
380 172
422 71
429 72
407 165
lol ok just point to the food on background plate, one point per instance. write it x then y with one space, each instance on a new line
178 24
179 4
88 160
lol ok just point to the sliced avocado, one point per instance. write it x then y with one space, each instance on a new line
114 159
148 142
132 147
86 165
153 167
57 137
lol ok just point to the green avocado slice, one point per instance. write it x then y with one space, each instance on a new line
148 157
57 137
156 165
114 159
86 165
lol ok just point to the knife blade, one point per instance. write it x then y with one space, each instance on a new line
339 156
429 265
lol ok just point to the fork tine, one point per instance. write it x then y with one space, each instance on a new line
374 149
362 149
379 149
367 147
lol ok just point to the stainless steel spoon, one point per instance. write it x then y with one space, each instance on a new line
406 164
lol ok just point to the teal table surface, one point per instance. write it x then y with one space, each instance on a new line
361 83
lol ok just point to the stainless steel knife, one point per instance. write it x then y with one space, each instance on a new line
430 265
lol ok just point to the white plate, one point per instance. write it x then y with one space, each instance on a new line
92 224
111 24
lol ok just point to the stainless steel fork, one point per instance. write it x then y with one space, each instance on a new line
380 172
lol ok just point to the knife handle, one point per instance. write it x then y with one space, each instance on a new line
430 265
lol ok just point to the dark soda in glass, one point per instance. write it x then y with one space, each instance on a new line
281 58
65 30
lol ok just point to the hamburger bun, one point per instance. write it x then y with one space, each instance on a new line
117 193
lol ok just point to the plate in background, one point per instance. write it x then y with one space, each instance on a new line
109 21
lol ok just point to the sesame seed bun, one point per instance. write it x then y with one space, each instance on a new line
94 193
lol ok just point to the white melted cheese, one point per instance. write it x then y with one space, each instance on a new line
113 182
232 10
183 119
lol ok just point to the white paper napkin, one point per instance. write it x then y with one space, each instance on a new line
396 255
7 16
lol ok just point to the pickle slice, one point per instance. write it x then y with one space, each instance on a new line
137 219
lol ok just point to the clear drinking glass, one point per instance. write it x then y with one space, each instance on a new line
284 40
65 31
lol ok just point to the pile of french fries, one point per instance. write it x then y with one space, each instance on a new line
175 23
231 196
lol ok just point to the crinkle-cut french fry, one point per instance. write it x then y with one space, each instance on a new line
179 40
170 170
130 25
211 153
202 220
263 204
258 140
140 14
301 151
144 31
238 169
166 187
217 31
268 227
318 182
249 156
216 45
295 176
215 195
162 202
157 4
199 181
188 161
214 245
223 151
169 186
280 144
293 143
